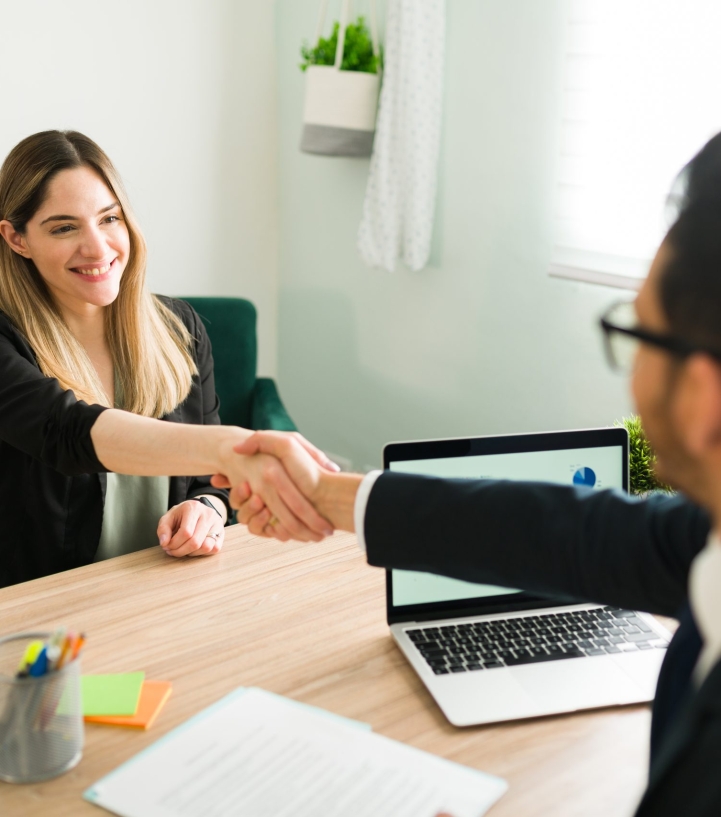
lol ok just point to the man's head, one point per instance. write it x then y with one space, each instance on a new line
679 396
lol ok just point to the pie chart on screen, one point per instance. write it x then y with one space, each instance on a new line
585 476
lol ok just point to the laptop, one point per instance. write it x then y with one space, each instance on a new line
489 653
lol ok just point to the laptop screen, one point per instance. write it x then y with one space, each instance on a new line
596 459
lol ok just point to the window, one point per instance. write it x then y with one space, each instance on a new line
642 94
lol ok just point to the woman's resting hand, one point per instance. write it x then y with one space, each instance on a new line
191 529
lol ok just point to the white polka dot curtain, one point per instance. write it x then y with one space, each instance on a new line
399 204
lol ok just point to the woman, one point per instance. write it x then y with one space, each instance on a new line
90 363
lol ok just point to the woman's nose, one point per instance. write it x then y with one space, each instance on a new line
93 243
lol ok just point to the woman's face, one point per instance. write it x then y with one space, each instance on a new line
79 241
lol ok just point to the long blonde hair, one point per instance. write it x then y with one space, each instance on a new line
149 344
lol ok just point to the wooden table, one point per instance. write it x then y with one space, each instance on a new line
306 621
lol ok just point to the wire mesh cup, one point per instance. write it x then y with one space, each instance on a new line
41 719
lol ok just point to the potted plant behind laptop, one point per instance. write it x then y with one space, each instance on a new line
642 460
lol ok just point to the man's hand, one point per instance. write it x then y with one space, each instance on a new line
300 459
287 468
332 494
191 529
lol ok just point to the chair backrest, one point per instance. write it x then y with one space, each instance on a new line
231 325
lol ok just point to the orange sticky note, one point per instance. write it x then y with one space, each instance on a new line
153 696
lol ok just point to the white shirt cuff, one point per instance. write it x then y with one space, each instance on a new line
361 502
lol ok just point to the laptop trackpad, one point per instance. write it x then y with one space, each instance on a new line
577 683
643 668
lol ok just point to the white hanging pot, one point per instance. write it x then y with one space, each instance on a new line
339 116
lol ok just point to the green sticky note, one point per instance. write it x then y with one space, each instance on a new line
111 694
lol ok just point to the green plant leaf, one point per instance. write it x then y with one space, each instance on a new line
642 459
357 50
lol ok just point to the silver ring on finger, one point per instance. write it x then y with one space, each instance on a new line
213 536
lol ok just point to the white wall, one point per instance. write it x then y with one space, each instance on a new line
481 342
181 95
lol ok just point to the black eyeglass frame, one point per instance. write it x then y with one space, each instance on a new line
676 346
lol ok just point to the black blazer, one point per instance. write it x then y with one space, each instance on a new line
52 486
597 546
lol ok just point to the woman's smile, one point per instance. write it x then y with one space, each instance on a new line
95 273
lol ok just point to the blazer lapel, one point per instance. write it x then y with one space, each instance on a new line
686 725
675 681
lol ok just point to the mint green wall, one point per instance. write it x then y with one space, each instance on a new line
482 341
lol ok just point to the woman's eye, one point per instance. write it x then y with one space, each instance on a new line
111 219
60 230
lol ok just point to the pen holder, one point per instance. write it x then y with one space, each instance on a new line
41 719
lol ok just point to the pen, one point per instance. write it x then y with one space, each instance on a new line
65 650
31 653
40 665
72 641
55 645
78 645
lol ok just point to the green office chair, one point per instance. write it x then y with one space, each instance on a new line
245 400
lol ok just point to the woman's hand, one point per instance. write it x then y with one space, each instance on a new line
191 529
300 459
281 486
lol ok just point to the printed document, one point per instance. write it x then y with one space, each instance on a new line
257 754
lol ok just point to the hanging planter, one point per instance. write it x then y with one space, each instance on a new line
342 87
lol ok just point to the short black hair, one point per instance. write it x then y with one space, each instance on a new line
690 282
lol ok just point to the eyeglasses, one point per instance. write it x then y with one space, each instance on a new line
622 338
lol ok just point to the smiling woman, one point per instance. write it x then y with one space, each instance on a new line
90 362
58 234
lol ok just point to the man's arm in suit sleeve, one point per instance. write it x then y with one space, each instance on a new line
592 545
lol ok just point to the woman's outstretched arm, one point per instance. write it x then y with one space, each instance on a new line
129 444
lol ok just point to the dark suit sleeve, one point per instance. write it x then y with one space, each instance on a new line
38 416
591 545
198 486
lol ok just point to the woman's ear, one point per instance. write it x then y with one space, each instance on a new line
14 239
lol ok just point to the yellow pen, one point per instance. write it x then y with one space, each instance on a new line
30 655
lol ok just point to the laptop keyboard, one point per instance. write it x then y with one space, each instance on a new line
532 639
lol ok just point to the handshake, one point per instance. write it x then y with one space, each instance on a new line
284 487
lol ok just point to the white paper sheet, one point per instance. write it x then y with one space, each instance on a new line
258 755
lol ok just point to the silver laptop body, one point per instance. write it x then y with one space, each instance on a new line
489 653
